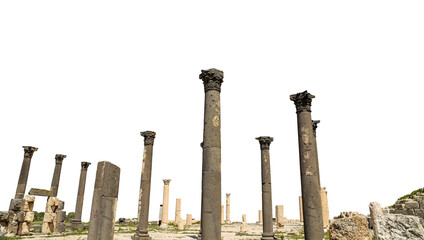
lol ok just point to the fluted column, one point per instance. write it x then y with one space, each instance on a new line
312 209
76 222
268 233
165 206
211 166
146 173
23 176
56 175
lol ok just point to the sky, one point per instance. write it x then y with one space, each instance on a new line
84 78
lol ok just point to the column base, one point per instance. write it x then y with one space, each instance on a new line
76 224
267 236
144 237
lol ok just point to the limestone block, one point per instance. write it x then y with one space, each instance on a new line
23 229
29 217
16 204
29 198
61 205
419 213
399 206
49 217
12 228
395 226
60 216
350 228
47 227
180 224
20 216
410 212
4 216
412 205
400 211
60 227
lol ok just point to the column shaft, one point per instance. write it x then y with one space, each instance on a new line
56 175
300 209
165 201
227 205
23 176
268 232
211 166
76 222
146 173
312 209
177 211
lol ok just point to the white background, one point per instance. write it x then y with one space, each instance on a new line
83 78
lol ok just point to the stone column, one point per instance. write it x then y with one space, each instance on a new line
105 198
165 202
211 166
76 222
243 227
312 209
222 214
23 176
300 208
314 129
279 216
177 212
260 217
227 202
189 220
56 175
268 232
325 212
146 173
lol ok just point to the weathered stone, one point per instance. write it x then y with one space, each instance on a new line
399 206
227 208
400 211
243 226
419 213
177 211
29 217
4 215
12 228
60 227
29 198
265 142
20 216
47 227
211 163
16 204
350 228
23 228
49 217
412 205
279 216
309 170
60 216
56 174
410 212
300 208
144 196
41 192
61 205
189 220
325 211
260 221
105 198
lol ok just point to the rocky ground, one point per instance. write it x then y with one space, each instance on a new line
229 231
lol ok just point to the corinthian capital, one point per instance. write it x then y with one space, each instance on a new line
149 137
59 158
315 126
265 142
212 79
84 165
29 151
166 181
303 101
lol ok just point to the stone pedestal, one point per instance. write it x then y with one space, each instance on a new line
105 198
211 166
312 209
165 202
268 232
56 175
23 176
76 222
146 173
279 216
227 203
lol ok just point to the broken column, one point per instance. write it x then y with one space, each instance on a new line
165 202
23 176
146 173
260 217
54 216
243 227
189 220
325 212
227 202
105 198
211 166
19 218
76 222
56 175
177 211
268 232
312 209
222 214
300 209
279 216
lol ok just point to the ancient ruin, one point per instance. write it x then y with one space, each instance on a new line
54 216
227 203
76 222
211 166
178 221
23 176
268 232
144 197
279 216
105 198
312 208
